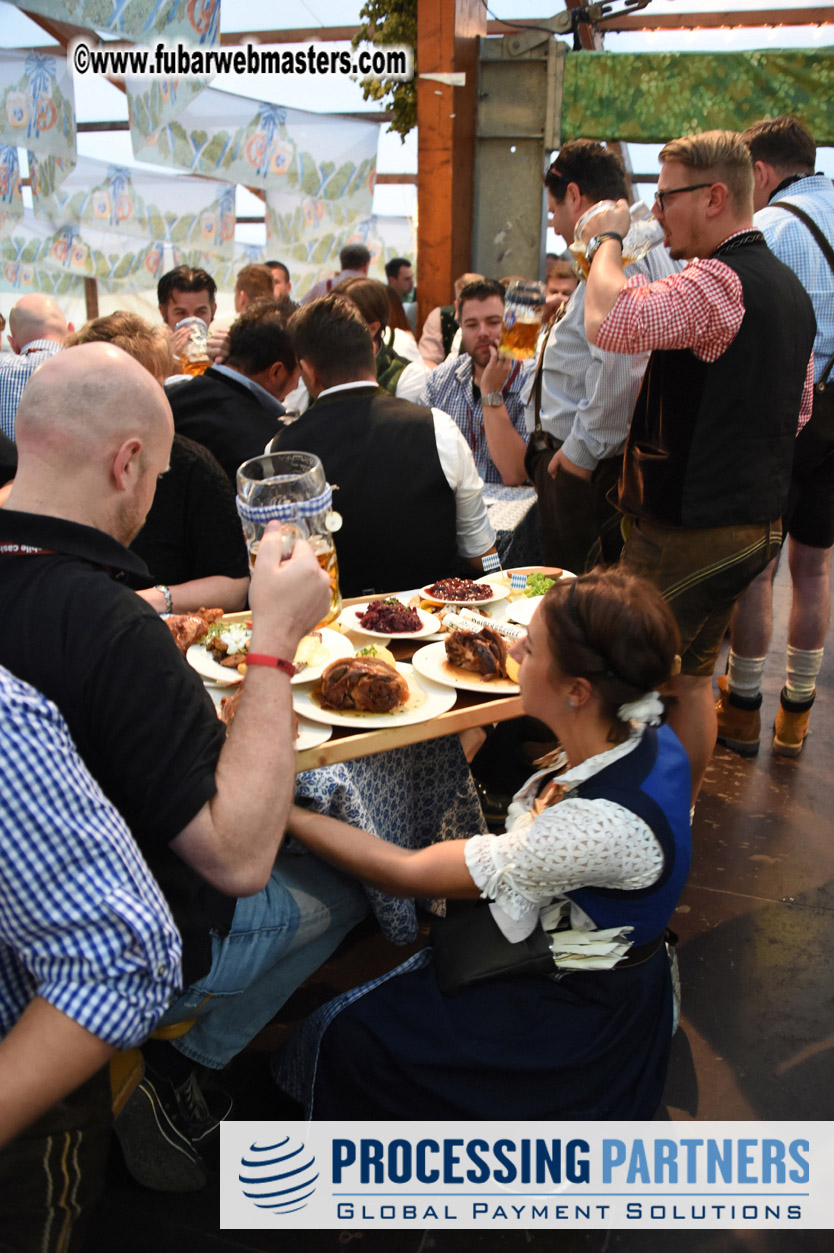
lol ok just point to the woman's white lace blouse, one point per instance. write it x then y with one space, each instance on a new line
575 843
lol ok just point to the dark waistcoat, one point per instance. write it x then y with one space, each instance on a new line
712 444
398 508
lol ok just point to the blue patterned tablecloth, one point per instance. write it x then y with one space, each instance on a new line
410 796
514 514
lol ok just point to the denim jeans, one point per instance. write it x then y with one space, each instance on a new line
277 939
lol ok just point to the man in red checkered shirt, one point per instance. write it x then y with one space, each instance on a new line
708 458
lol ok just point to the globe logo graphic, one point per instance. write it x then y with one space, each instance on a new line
279 1177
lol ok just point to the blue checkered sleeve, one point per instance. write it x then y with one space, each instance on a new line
83 923
15 373
792 243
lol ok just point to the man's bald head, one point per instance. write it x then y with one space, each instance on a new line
91 395
94 430
36 317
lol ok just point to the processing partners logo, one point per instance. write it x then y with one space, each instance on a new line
530 1176
279 1177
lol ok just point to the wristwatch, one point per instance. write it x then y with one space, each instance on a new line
166 592
594 243
493 399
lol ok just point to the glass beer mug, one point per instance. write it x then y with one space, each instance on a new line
523 310
644 233
195 359
291 487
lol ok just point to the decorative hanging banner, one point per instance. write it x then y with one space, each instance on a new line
37 104
224 270
11 196
308 236
257 144
389 236
649 97
154 104
101 255
136 202
194 21
20 278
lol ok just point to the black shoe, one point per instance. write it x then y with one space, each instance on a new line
198 1114
157 1153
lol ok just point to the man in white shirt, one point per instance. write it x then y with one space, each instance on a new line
583 397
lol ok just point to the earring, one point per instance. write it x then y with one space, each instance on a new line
571 705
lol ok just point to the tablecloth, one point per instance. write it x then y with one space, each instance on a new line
411 796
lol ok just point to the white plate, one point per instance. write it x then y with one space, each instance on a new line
430 662
522 610
350 621
310 734
200 658
496 593
439 698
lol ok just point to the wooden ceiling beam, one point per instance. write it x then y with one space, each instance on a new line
750 19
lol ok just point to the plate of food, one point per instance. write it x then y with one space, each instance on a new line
222 651
368 693
471 592
388 619
308 734
538 580
472 661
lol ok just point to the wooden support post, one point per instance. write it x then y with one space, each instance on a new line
91 298
447 42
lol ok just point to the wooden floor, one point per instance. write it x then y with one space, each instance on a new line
756 928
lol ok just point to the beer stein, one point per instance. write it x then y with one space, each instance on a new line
644 233
195 359
291 487
523 310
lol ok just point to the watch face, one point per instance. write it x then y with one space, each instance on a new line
493 399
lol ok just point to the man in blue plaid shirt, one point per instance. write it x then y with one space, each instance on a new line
482 391
89 960
37 330
785 188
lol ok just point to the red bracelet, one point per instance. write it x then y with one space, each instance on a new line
264 659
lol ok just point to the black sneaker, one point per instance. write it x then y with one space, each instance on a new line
199 1114
157 1153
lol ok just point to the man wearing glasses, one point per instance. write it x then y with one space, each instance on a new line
708 458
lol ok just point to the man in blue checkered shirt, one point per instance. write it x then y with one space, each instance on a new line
784 186
482 391
37 330
89 960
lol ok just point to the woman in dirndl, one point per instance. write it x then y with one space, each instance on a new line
554 999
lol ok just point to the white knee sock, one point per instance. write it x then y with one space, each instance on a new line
803 668
744 675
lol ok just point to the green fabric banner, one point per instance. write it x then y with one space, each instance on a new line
651 97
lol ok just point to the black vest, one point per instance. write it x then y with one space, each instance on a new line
712 445
398 509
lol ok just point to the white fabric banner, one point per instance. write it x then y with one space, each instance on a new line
307 235
102 255
223 270
199 213
195 21
11 196
257 144
37 103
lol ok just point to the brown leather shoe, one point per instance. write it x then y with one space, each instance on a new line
739 720
791 725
